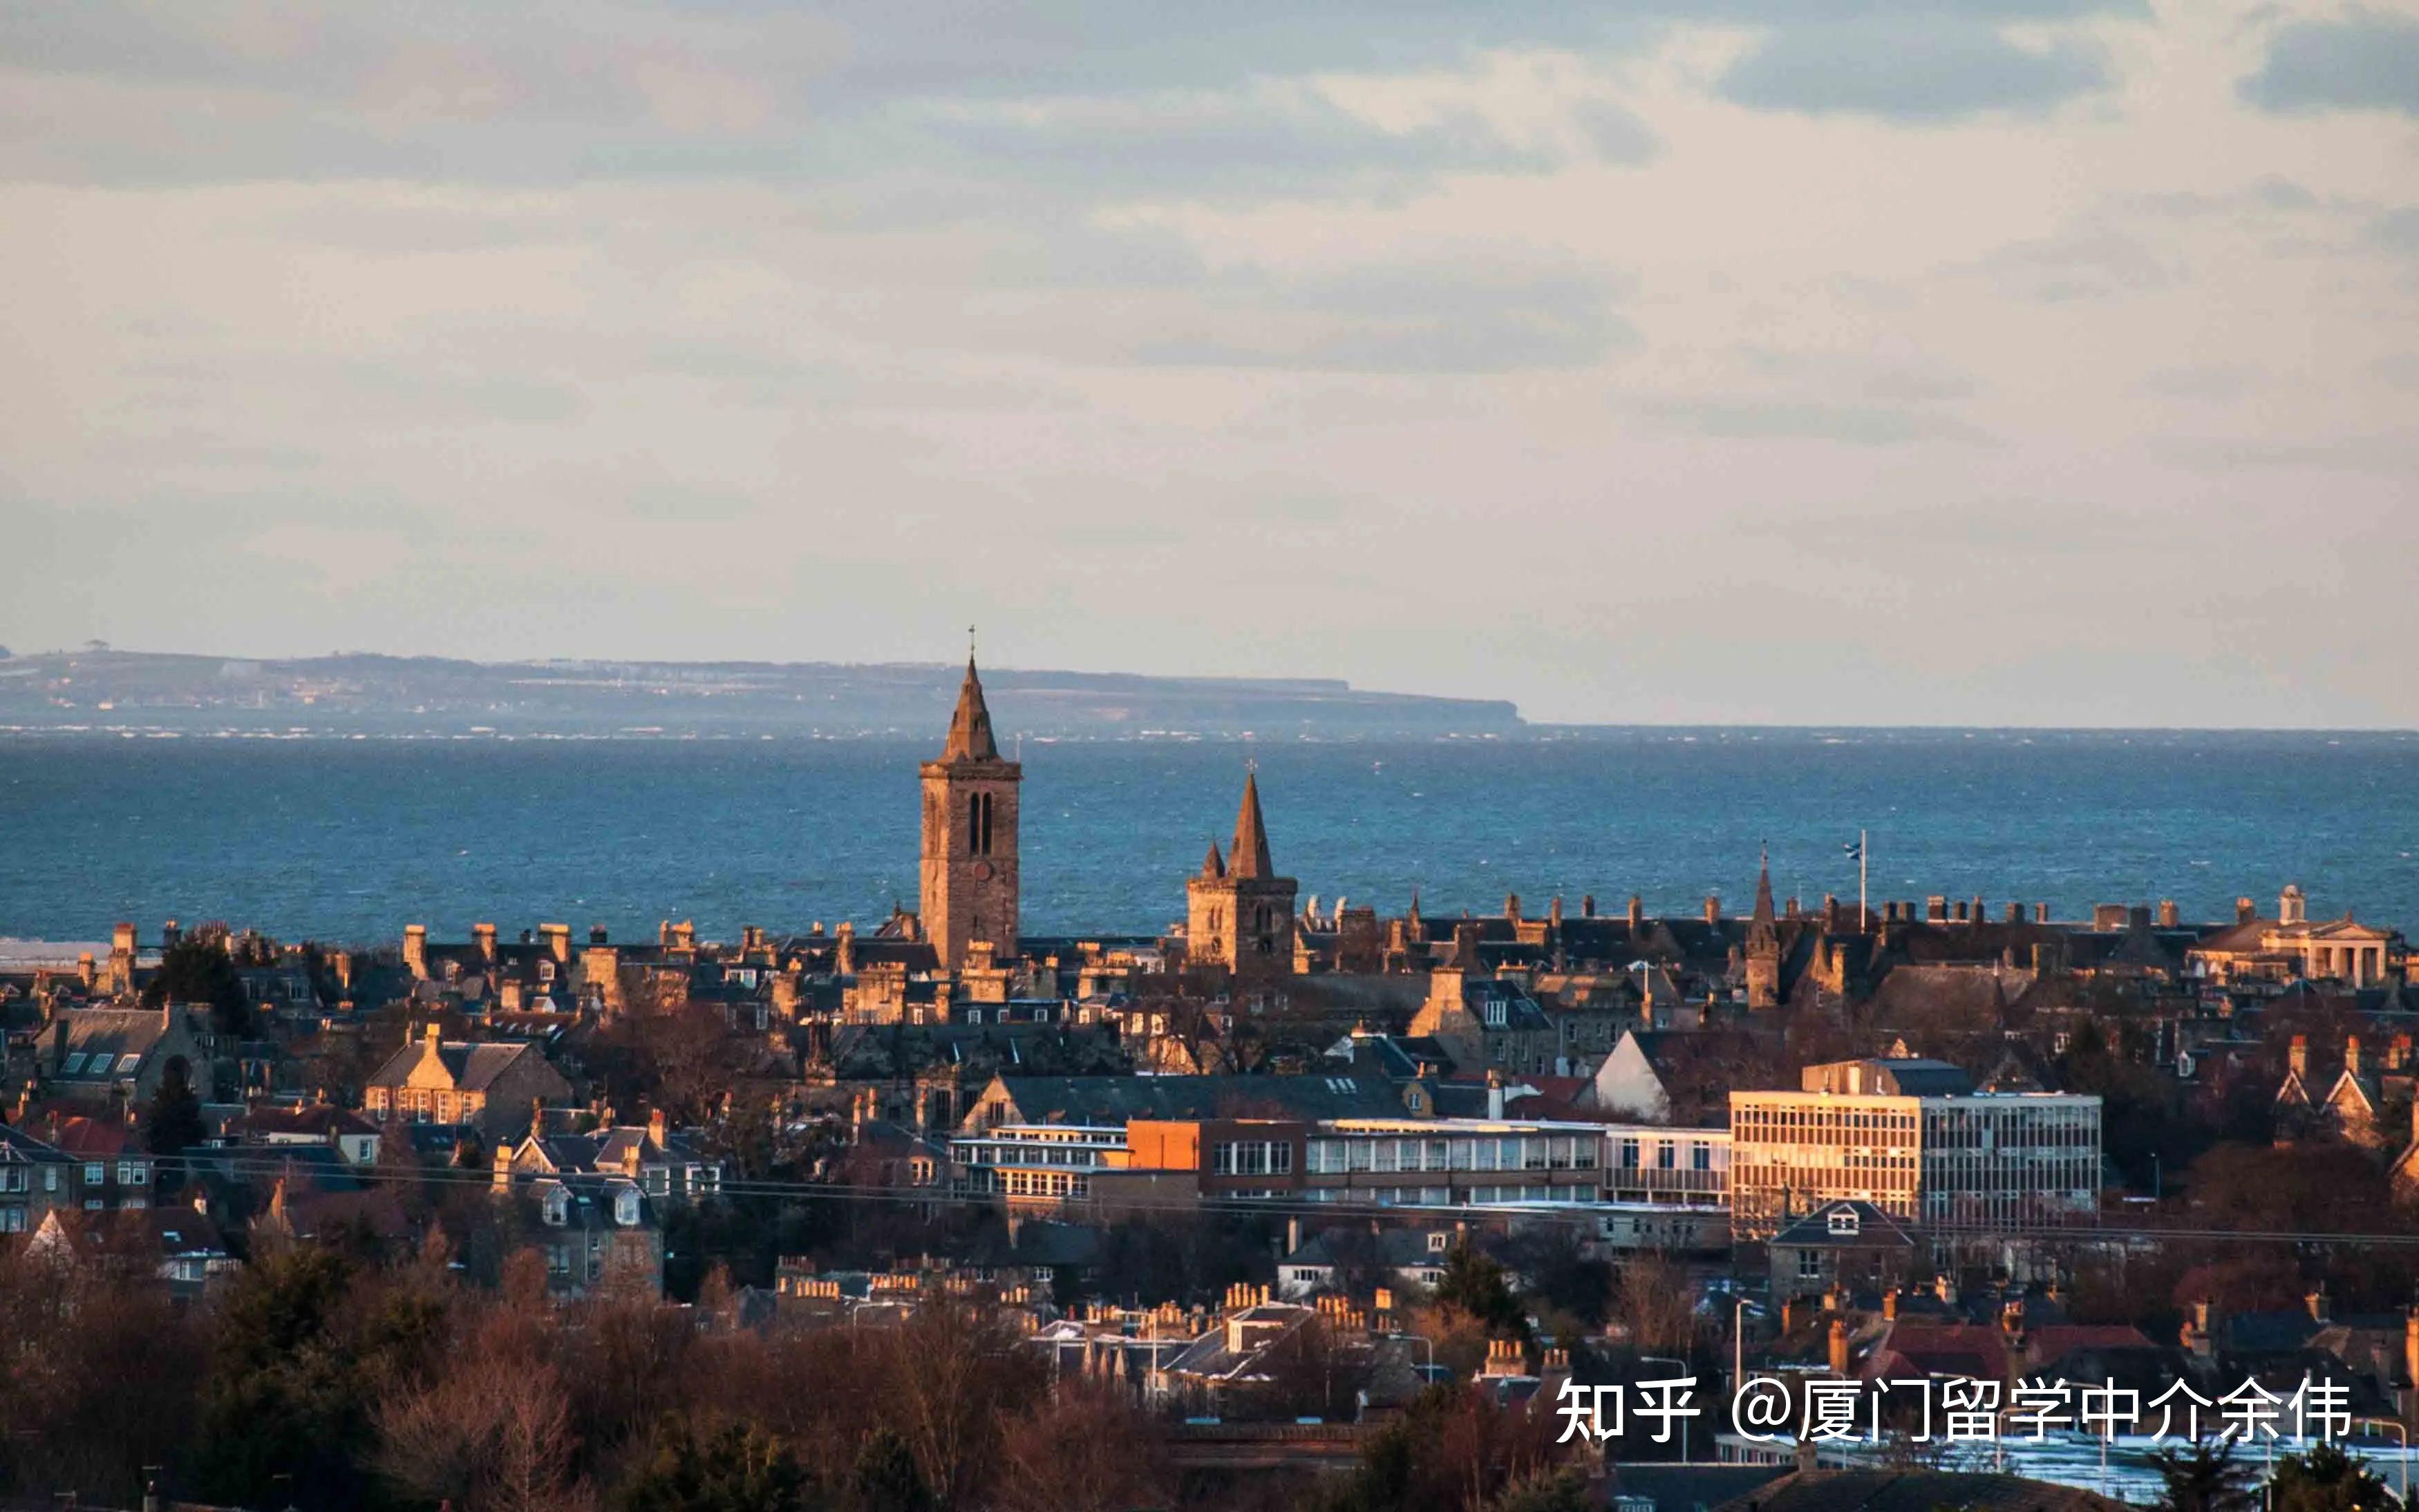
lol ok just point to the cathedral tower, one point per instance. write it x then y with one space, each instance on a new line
970 877
1239 912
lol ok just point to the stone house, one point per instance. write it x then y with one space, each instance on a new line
487 1087
105 1056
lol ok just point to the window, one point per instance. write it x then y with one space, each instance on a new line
131 1173
1667 1154
95 1173
125 1064
1700 1156
1845 1221
73 1065
1629 1154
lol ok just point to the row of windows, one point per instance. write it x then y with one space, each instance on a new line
1252 1157
1820 1119
1044 1184
1558 1152
1630 1155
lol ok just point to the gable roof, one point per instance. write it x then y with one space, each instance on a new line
98 1039
472 1066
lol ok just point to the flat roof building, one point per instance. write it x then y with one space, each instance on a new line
1915 1140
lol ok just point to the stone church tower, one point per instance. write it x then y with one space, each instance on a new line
1239 912
1763 945
969 852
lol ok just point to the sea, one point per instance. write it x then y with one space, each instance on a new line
346 839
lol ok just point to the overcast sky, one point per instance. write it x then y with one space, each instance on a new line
1993 362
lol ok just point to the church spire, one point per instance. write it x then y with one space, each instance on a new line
1249 855
1764 886
1215 865
970 737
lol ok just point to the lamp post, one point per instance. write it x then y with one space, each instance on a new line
2402 1433
1681 1366
1738 1350
1428 1367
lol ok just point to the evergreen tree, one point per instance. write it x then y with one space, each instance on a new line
2204 1478
738 1469
2326 1479
197 969
886 1478
1476 1285
172 1124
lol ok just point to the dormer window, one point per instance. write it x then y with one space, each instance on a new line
1845 1223
626 1209
557 1209
1440 1243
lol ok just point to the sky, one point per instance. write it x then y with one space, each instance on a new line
1871 362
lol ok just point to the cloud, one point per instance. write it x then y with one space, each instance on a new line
2396 231
1402 319
1916 69
1788 419
2364 61
1266 141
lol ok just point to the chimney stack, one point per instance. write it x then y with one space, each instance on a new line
2170 917
2297 1056
415 950
1637 913
484 936
1713 910
1838 1342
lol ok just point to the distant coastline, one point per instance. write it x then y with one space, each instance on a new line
344 695
135 694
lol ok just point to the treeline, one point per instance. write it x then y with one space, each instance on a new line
317 1378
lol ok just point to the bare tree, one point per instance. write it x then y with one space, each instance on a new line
492 1434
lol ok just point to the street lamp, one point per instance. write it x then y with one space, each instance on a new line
1738 1350
2402 1433
1681 1365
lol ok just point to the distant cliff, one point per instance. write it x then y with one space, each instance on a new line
403 695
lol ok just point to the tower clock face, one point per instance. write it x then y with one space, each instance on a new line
983 871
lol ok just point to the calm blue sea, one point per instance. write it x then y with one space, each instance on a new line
349 840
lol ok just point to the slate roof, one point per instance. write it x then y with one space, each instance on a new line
1111 1101
318 1120
1688 1487
1874 1227
474 1067
1913 1491
111 1034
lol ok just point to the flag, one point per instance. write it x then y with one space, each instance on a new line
1856 849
